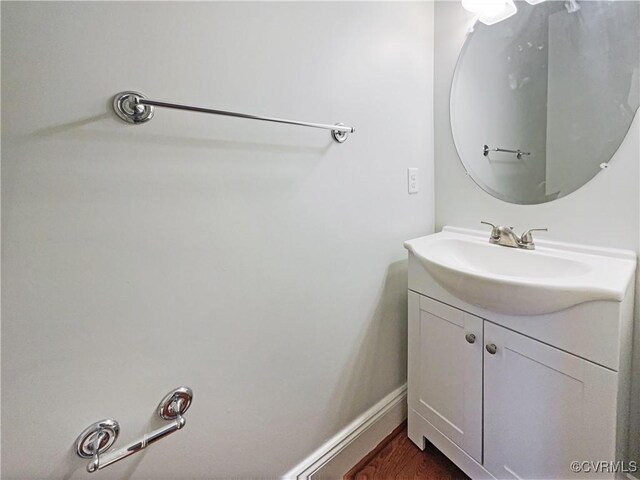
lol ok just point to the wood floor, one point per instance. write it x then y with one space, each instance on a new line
397 457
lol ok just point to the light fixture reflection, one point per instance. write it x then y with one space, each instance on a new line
492 11
477 6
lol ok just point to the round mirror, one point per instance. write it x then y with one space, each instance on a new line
541 101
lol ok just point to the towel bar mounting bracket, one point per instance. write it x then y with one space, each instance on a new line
129 110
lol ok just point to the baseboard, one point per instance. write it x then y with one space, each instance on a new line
333 459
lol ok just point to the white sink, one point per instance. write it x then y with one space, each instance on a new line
515 281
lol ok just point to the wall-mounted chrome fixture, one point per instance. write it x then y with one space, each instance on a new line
519 153
97 438
133 107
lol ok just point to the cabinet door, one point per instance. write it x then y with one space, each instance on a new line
445 370
544 408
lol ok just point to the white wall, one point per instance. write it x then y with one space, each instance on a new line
260 264
606 211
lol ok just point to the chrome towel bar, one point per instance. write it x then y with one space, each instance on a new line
519 153
133 107
97 438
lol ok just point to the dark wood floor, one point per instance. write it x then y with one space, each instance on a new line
397 457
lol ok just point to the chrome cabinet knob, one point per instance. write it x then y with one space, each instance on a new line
470 337
491 348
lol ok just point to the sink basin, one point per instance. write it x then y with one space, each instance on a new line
515 281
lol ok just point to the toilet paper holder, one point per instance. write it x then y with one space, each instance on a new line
95 440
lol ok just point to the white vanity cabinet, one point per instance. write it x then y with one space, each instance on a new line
518 396
445 376
542 408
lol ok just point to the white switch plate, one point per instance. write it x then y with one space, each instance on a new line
412 178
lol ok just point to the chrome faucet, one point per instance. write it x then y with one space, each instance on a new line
506 237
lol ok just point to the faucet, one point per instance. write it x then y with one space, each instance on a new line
505 236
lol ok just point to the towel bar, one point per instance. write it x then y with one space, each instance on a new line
133 107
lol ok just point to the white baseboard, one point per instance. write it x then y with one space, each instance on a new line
333 459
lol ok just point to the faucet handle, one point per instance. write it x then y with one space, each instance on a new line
527 238
495 232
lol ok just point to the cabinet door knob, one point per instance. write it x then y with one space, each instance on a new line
470 337
491 348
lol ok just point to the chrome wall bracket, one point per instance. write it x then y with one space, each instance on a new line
95 440
133 107
175 403
339 135
128 108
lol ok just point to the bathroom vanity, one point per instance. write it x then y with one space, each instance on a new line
519 360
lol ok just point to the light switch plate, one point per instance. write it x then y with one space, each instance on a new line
412 179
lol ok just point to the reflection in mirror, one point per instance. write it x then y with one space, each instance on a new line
557 84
